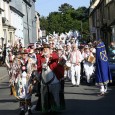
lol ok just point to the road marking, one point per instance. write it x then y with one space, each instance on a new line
3 77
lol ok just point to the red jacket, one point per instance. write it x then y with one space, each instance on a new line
53 64
39 64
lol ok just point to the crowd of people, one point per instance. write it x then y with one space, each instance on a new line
42 69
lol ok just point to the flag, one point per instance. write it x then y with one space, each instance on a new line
103 75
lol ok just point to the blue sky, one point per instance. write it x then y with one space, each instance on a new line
44 7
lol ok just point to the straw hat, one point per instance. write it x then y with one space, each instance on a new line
86 47
69 44
74 46
24 51
31 51
59 48
46 45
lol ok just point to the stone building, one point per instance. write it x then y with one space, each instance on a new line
6 29
37 25
24 19
102 20
17 21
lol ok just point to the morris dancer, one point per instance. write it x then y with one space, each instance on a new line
87 64
60 74
24 83
15 73
50 85
9 62
68 53
75 60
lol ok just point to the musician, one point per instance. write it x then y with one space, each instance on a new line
50 84
62 57
75 60
24 84
87 64
52 45
68 53
15 73
39 69
32 55
60 69
9 61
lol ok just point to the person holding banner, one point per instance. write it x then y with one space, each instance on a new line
103 76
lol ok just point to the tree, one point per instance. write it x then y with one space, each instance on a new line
43 23
64 8
65 19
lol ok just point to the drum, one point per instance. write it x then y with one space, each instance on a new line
67 65
91 59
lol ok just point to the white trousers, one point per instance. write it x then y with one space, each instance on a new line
89 70
75 74
68 73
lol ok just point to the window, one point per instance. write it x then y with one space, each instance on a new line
10 36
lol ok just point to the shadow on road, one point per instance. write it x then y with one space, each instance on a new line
104 105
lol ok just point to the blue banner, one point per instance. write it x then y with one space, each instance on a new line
103 75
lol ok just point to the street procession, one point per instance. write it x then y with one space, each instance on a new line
55 64
43 68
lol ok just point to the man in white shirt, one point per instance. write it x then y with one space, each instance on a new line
75 60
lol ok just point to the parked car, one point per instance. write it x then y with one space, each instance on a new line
112 66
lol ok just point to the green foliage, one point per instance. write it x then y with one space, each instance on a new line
43 23
67 18
64 8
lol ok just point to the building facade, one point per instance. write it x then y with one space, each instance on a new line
6 29
17 21
102 20
1 26
37 25
23 13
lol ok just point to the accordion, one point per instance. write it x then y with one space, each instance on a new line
91 59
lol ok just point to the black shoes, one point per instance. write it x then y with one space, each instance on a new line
22 112
75 86
89 84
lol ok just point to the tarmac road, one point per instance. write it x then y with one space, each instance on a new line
81 100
